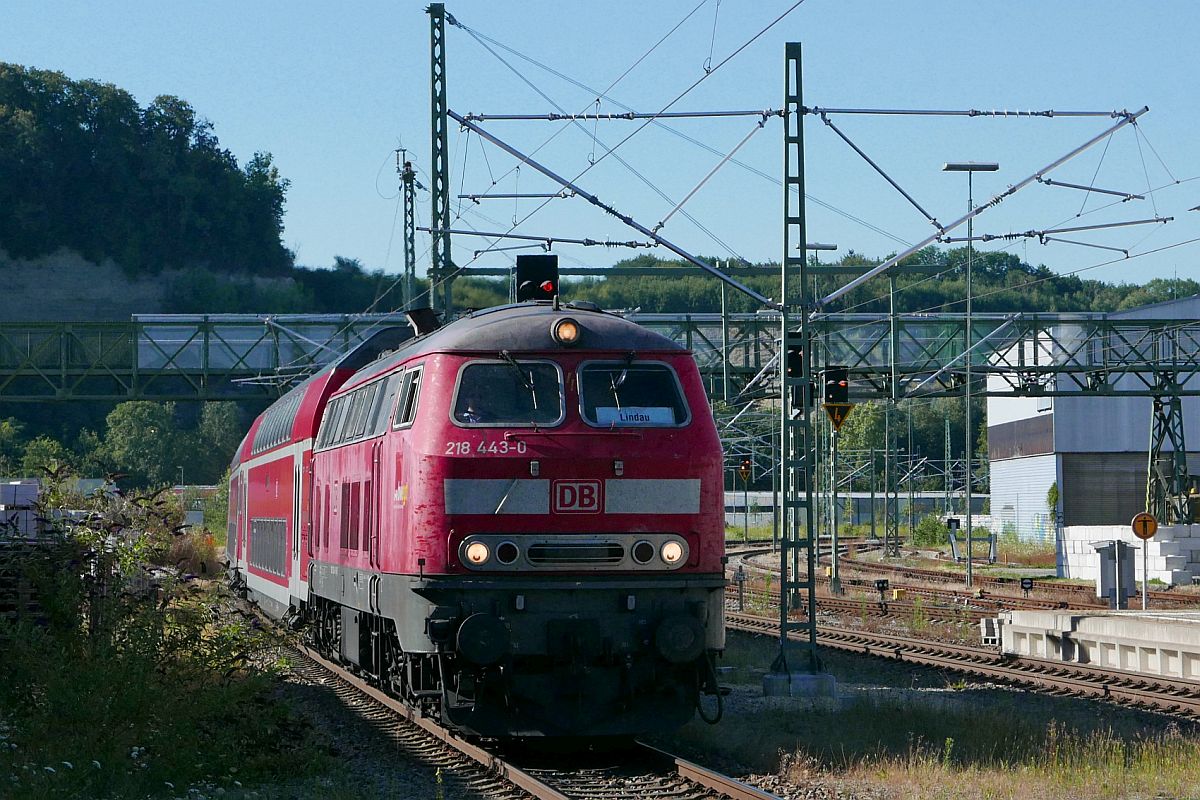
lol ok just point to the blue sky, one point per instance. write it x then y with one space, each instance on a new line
332 89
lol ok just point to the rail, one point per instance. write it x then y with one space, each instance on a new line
684 779
1173 696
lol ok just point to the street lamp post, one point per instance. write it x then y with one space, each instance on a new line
969 167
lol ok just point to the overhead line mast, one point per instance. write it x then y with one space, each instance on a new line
408 185
440 264
797 541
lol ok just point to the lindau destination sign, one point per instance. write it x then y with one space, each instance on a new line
635 415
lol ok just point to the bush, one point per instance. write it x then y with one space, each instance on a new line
131 678
194 553
930 531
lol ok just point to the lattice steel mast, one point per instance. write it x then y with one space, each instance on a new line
440 263
408 186
1167 473
797 538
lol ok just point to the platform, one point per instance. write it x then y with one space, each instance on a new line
1160 643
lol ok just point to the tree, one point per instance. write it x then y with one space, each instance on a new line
12 446
43 455
141 440
217 435
82 166
91 457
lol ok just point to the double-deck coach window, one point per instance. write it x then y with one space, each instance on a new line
276 425
622 394
509 393
359 414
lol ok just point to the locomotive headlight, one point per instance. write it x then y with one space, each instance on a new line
477 553
671 552
565 331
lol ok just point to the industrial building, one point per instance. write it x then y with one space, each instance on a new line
1095 450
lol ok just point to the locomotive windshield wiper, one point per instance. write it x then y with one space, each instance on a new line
619 381
526 382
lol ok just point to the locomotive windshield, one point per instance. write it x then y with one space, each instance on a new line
624 394
509 392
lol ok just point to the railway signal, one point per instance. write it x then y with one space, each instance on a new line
537 277
794 364
837 395
739 578
744 470
837 385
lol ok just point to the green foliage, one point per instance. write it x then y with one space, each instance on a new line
12 446
43 455
200 290
1052 497
142 439
930 531
83 166
1029 553
219 432
145 442
1000 282
216 511
135 675
864 430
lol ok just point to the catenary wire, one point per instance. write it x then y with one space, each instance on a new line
611 150
623 162
687 138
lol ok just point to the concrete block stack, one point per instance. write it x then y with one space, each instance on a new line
18 500
1172 557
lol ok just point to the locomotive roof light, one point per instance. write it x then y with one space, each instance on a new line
565 331
672 552
477 553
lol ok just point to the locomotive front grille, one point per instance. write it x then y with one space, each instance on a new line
591 553
522 552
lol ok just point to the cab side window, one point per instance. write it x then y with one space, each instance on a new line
410 393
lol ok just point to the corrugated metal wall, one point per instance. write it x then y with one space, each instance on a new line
1102 488
1019 487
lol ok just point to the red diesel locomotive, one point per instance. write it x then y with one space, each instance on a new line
515 519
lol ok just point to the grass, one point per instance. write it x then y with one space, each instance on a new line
1027 553
735 534
908 732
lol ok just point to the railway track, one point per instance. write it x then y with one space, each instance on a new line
1173 696
1081 595
982 602
635 773
1069 595
873 608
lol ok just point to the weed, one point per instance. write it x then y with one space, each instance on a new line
895 740
136 675
919 620
1034 553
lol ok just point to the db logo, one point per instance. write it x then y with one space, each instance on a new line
577 497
